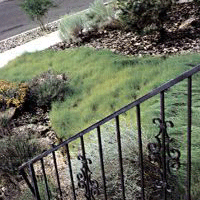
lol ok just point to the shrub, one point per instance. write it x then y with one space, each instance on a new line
98 15
140 14
12 94
71 27
6 123
3 122
14 150
27 194
37 9
47 88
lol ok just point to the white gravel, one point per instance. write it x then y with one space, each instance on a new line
27 36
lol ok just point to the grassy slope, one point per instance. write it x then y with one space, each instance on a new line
102 82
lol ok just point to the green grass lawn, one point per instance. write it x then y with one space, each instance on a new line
102 82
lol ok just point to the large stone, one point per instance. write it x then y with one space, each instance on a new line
7 114
187 23
32 128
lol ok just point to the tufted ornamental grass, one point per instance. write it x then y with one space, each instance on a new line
70 27
97 16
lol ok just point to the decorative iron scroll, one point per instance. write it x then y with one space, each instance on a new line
171 154
84 179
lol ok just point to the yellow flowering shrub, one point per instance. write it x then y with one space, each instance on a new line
12 94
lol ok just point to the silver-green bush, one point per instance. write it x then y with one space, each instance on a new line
71 26
46 88
15 150
99 15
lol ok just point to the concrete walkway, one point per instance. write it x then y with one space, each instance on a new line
38 44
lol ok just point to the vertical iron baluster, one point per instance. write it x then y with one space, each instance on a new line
22 172
140 149
87 181
70 171
101 161
120 156
45 178
34 180
189 105
57 175
82 147
163 147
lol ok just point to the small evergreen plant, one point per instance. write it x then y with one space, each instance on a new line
140 14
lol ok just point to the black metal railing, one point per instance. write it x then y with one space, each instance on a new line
162 156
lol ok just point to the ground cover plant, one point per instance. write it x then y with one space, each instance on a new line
16 150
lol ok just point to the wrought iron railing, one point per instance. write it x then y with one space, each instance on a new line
161 154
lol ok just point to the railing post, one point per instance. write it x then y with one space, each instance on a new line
120 156
140 150
101 161
70 171
189 127
57 175
45 179
88 193
163 146
34 180
22 172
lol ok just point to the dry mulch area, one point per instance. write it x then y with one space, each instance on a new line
177 39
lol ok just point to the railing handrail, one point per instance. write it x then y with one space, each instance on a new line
154 92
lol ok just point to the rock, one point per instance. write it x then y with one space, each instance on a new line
32 128
51 134
7 114
187 23
45 142
10 187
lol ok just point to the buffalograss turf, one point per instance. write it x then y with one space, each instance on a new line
101 81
